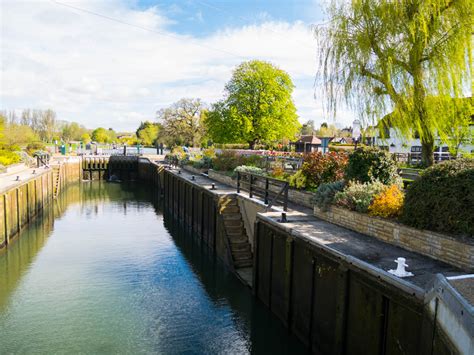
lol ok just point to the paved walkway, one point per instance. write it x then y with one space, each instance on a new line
378 254
9 180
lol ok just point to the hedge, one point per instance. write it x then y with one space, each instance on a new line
442 199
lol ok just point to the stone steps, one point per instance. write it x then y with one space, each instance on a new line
235 232
243 263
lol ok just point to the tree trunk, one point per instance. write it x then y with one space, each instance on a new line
427 148
252 144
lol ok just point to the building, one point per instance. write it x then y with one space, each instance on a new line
307 144
395 143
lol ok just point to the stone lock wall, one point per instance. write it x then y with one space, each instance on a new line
454 251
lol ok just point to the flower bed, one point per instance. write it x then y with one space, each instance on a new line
454 251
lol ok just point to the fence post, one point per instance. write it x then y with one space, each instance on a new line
266 191
250 186
238 182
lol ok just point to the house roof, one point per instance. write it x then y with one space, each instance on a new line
309 140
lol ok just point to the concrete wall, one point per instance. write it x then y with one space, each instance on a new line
457 252
21 203
249 210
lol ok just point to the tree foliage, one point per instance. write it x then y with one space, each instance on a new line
182 123
102 135
258 107
383 55
148 132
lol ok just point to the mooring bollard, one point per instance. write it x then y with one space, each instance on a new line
179 172
17 178
193 177
283 218
213 186
34 172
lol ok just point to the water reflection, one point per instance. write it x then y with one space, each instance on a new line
112 275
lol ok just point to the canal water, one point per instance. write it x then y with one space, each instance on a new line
104 271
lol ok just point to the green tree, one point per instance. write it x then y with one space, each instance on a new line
101 135
72 131
384 55
457 118
147 132
48 125
258 107
182 123
19 135
85 138
327 131
307 128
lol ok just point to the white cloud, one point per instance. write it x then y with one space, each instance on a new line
100 72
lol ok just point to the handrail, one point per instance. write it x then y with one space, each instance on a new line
266 192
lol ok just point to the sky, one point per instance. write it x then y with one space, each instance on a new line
114 63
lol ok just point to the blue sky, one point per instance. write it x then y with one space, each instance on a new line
201 18
115 63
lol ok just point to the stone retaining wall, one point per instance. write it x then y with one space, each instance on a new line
455 251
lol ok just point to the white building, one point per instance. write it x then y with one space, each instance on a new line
395 143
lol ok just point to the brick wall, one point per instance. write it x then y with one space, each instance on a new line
455 251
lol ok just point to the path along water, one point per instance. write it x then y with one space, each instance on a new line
111 274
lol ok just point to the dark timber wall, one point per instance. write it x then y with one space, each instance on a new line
193 206
102 168
334 303
336 307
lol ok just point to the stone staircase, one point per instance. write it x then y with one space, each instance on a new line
235 232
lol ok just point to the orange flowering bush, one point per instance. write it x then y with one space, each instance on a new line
387 203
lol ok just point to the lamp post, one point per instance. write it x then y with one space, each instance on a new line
356 132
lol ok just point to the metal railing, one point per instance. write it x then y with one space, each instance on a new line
42 160
272 191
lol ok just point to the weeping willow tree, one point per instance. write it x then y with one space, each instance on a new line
379 56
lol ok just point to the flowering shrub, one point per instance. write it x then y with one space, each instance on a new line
278 171
325 194
321 168
298 180
226 161
203 163
209 153
387 203
358 196
249 170
8 157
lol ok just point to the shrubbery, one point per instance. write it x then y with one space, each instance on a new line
322 168
8 157
319 169
370 164
298 180
249 170
358 196
226 161
442 199
203 163
388 203
325 194
32 148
